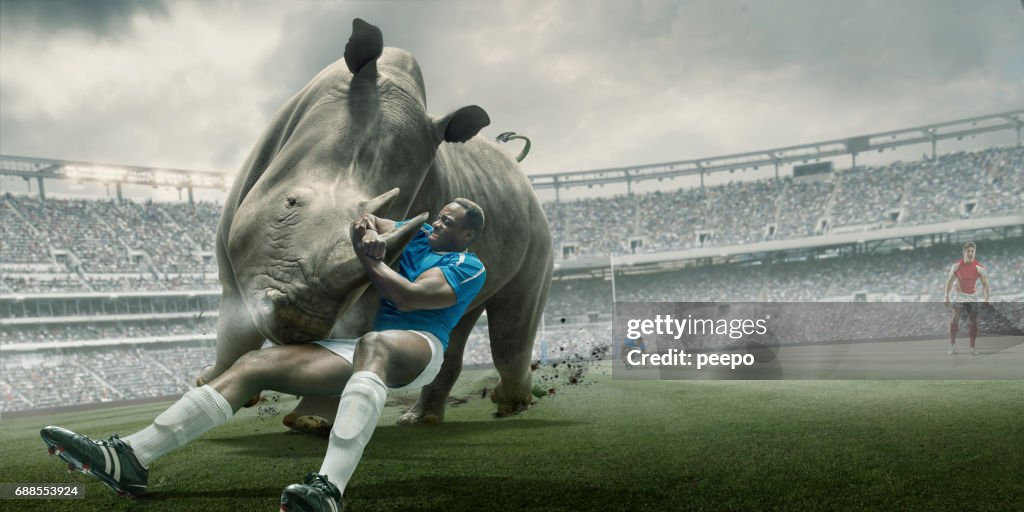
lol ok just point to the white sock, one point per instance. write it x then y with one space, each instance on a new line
191 416
358 412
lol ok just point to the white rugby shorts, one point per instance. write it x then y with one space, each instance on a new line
346 349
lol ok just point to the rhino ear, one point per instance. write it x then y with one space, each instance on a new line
364 45
461 125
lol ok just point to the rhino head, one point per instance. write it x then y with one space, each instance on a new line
357 139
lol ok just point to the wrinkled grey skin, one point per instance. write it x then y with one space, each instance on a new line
358 139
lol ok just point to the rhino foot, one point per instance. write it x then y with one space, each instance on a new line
510 402
313 415
313 425
422 415
415 418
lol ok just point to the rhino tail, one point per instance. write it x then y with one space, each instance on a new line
507 136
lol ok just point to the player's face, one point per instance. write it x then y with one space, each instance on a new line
449 233
969 254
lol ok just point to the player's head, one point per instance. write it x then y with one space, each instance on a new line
456 226
969 250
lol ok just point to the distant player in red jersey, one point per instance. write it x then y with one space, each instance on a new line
966 273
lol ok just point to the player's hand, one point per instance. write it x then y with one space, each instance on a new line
947 301
373 245
363 240
367 242
358 232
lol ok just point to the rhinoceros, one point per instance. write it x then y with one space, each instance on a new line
358 139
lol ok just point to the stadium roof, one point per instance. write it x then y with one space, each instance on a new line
803 153
31 167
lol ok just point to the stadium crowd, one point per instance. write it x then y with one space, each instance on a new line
114 245
86 331
918 274
33 380
109 244
988 183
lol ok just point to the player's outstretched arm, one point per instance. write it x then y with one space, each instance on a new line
949 286
984 284
431 289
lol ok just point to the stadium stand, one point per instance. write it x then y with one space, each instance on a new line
39 380
109 245
903 193
97 330
85 253
909 275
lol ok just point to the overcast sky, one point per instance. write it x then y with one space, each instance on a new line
189 84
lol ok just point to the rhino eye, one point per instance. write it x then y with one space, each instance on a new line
292 201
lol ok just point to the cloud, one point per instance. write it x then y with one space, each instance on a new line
97 18
179 92
593 84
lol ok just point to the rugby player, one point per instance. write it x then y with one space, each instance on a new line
965 273
420 305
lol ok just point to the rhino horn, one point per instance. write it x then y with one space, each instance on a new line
399 238
364 45
379 205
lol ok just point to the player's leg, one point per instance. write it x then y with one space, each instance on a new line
305 369
954 327
430 406
315 414
123 463
382 359
972 328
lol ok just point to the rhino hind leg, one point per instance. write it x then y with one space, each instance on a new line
513 316
429 408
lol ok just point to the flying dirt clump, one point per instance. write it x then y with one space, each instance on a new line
572 367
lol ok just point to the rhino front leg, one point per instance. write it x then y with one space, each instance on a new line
313 415
236 335
429 408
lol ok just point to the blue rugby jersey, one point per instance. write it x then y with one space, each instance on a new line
464 273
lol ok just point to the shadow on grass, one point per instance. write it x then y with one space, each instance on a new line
290 444
271 493
449 494
509 493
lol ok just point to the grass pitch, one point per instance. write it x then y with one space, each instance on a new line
602 444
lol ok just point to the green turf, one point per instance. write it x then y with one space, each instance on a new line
603 445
